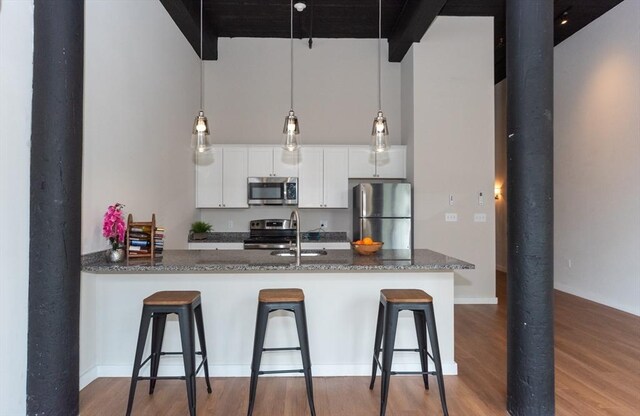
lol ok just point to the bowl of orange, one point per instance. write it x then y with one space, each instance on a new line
366 246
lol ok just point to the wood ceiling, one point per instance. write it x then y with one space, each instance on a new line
403 21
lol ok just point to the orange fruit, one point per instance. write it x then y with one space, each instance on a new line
367 241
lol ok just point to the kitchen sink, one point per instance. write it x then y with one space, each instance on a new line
303 253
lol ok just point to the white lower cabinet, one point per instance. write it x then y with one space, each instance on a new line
216 246
221 178
323 177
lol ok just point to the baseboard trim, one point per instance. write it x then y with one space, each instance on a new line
595 298
88 376
243 370
475 301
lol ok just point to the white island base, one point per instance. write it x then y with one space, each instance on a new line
341 317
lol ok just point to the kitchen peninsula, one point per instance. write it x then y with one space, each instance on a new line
341 290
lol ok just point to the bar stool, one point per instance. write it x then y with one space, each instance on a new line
392 301
186 304
270 300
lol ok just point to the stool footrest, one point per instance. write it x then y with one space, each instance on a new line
282 349
280 371
393 373
162 378
177 353
433 373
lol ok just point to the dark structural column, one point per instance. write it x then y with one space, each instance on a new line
56 172
530 359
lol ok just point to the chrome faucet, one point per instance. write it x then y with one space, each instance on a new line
295 216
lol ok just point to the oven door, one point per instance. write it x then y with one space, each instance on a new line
272 191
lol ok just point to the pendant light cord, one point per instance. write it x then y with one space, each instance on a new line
291 13
201 59
379 55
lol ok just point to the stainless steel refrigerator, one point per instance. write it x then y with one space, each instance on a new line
383 212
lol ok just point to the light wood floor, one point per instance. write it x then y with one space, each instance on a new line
597 373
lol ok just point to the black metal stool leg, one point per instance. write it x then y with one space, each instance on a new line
303 337
376 344
157 335
185 317
421 334
433 337
390 325
258 343
197 311
142 338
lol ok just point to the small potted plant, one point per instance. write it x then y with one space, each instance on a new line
199 230
114 229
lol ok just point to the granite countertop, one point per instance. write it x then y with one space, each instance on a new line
252 261
239 237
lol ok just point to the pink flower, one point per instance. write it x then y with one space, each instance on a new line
113 225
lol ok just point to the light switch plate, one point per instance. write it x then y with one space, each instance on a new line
451 217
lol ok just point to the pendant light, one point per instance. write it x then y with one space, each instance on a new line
201 140
291 128
380 131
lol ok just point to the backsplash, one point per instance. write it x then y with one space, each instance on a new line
224 220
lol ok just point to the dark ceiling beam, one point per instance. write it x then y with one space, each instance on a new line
186 14
414 20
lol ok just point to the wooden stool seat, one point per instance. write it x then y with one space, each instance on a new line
405 296
280 295
172 298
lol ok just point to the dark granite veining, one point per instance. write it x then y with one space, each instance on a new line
231 237
252 261
239 237
325 237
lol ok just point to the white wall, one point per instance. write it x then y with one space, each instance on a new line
247 92
335 90
16 59
501 175
140 97
453 141
597 160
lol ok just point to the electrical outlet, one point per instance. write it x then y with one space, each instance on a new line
451 217
324 224
230 224
480 217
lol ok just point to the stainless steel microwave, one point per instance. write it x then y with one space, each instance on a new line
272 191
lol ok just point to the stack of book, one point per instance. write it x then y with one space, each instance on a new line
140 239
158 241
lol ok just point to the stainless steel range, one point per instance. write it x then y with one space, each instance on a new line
271 234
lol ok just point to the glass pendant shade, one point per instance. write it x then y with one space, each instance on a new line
291 132
379 134
200 133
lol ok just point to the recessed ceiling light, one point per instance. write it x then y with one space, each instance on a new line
564 18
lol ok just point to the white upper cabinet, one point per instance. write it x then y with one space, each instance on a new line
234 175
221 178
209 179
392 164
272 161
260 161
324 177
362 162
